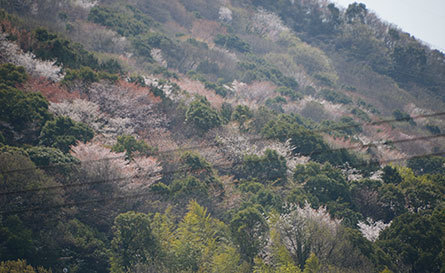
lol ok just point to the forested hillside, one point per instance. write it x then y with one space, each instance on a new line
218 136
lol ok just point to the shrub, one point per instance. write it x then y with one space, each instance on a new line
130 145
12 75
87 75
127 21
268 168
232 42
21 109
433 129
49 46
288 92
361 114
63 132
335 97
202 115
242 113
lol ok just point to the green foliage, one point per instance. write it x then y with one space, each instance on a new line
268 199
257 69
306 142
361 114
392 201
202 115
48 156
226 112
242 113
276 103
409 63
312 264
402 116
200 243
195 164
324 182
111 66
21 237
25 112
232 42
160 188
414 241
11 75
427 165
218 87
130 146
391 175
356 13
87 75
315 111
346 126
367 106
433 129
88 248
189 188
269 168
16 239
144 43
20 266
133 242
195 180
84 74
335 97
247 227
126 20
207 67
291 93
49 46
63 132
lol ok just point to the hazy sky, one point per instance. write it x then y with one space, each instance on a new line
425 19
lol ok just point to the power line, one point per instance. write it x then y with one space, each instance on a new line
132 196
163 172
254 139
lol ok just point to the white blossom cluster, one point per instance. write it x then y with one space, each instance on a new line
371 229
235 145
125 103
305 230
86 4
285 150
253 94
156 54
167 88
268 24
225 14
89 113
11 53
100 164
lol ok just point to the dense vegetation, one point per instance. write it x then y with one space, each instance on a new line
193 136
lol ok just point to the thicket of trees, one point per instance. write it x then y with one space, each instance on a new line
99 177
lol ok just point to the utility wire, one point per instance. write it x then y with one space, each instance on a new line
106 181
165 172
132 196
254 139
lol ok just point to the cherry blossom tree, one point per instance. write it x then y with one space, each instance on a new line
89 113
302 231
268 24
100 164
11 53
225 14
371 229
